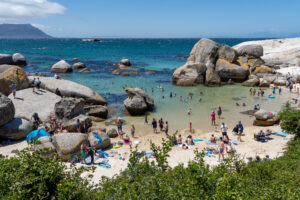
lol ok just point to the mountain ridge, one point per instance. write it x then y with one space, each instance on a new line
21 31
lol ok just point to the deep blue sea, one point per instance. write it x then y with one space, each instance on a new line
160 55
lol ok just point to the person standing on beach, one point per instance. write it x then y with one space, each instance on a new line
279 90
274 90
213 118
191 128
13 87
219 111
38 84
224 129
146 119
154 125
132 130
221 149
78 126
167 128
161 124
33 85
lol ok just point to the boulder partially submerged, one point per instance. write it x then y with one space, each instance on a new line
61 67
71 89
15 59
138 101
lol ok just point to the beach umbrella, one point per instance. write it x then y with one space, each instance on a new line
37 134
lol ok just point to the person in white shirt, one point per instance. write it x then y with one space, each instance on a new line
224 129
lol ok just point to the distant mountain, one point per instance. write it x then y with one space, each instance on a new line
21 31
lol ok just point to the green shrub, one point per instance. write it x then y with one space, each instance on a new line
290 119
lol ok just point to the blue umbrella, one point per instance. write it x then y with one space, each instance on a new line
37 134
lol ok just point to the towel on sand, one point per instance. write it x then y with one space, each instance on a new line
197 140
210 143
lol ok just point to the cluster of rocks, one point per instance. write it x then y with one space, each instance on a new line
138 101
15 59
211 63
63 66
124 68
265 118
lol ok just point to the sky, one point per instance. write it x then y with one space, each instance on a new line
156 18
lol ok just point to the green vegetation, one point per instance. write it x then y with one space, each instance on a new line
37 176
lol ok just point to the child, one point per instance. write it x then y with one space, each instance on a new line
132 130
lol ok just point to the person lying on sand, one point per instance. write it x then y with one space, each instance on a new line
212 139
189 140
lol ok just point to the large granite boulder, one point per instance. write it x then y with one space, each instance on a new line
16 129
212 78
68 108
265 118
28 103
71 89
7 110
228 53
112 133
97 128
280 81
251 82
96 111
255 62
19 59
251 51
67 144
189 74
263 82
78 65
125 62
138 101
227 70
95 142
263 115
13 75
269 122
6 59
203 55
5 67
70 124
61 67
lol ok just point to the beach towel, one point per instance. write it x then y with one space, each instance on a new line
234 142
208 153
197 140
102 153
104 163
280 133
99 138
149 154
137 142
209 142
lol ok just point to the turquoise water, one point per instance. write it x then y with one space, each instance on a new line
160 55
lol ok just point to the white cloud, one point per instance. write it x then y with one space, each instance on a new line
18 10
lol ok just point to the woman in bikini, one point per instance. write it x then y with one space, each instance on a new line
221 149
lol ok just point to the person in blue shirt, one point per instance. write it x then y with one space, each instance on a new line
279 90
241 127
274 90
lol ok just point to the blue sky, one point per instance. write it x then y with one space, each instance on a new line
156 18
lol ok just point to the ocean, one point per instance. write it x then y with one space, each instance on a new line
161 56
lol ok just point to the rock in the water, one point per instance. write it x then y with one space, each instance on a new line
5 59
125 62
126 73
251 82
95 142
61 67
112 133
28 103
71 89
227 70
252 51
13 75
188 75
70 124
138 101
264 82
16 129
78 65
116 72
67 144
68 108
75 59
212 78
203 55
228 53
7 109
85 70
91 40
96 110
263 115
19 59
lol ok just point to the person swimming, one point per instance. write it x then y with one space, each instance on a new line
237 104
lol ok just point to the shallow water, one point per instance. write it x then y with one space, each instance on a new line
160 55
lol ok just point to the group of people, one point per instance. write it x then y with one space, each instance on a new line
186 144
163 126
260 92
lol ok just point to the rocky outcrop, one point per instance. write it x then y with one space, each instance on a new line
69 108
85 70
96 111
262 69
251 51
138 101
5 67
227 53
71 89
7 110
13 75
16 129
251 82
70 124
263 115
125 62
280 81
61 67
93 138
67 144
112 133
28 103
78 65
265 118
19 59
5 59
227 70
212 78
188 75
